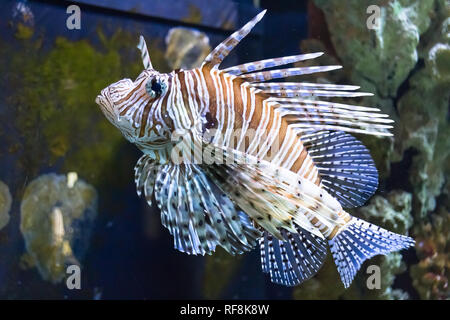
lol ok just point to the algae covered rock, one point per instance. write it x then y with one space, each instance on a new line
186 48
392 212
5 204
405 62
423 112
383 56
57 216
52 90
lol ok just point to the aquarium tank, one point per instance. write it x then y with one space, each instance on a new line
72 225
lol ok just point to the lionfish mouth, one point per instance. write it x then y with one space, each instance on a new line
103 99
106 104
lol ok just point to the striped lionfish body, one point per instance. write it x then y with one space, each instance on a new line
276 164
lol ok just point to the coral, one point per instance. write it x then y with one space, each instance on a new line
186 48
57 216
385 56
431 274
5 204
406 63
381 61
423 113
392 212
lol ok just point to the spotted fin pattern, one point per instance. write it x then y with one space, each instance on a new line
145 173
294 260
345 166
273 196
195 212
359 241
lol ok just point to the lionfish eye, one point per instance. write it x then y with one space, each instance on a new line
155 87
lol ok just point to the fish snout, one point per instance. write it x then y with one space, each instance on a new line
104 99
99 100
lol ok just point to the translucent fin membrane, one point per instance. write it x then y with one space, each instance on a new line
310 115
332 105
345 166
294 260
359 241
197 214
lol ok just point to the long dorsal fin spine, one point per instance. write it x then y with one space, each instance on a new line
215 58
142 46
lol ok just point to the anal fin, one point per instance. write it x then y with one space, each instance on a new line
293 260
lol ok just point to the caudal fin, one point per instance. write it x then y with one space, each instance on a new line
359 241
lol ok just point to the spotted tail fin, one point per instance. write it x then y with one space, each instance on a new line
359 241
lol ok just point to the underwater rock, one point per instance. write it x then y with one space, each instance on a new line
431 274
385 56
392 212
57 216
423 112
406 64
186 48
5 204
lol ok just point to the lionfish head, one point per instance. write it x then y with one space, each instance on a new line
121 101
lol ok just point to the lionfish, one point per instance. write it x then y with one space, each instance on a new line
281 163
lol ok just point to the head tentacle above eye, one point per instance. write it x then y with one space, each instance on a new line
144 53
